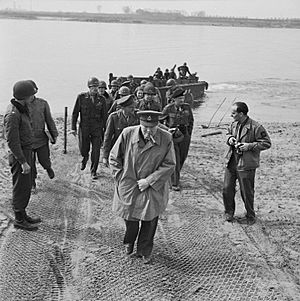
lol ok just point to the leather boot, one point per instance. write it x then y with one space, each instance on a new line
21 223
32 220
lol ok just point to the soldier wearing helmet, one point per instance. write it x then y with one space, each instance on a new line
183 70
179 119
150 100
19 136
123 91
40 115
91 106
171 83
102 91
114 87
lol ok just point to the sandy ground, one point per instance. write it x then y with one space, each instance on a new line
274 239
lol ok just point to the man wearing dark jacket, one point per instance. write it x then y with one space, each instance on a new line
40 115
19 137
246 138
93 114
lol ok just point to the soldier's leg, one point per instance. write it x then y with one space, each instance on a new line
146 237
95 155
21 183
176 175
43 154
33 169
84 141
184 149
246 180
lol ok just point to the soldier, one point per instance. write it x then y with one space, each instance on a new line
102 91
117 121
19 137
150 101
132 85
40 115
93 115
171 83
180 121
142 161
183 70
114 87
123 91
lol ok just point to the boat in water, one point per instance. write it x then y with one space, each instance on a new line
195 89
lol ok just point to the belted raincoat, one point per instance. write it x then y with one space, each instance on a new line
131 160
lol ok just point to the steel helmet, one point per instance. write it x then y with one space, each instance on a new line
114 83
93 82
102 84
149 89
171 82
143 82
23 89
124 91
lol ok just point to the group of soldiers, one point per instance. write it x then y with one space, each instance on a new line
183 73
103 116
144 144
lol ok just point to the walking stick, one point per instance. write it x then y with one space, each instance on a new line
207 126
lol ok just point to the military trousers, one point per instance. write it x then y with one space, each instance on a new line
21 182
86 140
181 153
246 179
43 155
144 232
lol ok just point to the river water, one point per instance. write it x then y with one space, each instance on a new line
260 66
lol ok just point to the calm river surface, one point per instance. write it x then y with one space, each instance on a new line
258 65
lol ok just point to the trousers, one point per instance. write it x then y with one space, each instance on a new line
144 234
85 142
246 180
21 182
43 155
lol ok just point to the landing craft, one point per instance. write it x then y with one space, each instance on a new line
192 85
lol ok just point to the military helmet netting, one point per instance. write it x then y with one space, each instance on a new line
23 89
149 89
102 84
93 82
124 91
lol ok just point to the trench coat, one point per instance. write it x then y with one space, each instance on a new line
131 160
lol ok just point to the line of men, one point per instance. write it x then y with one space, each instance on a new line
143 146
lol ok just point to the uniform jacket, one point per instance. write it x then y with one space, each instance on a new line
18 130
40 115
149 105
252 133
93 116
182 118
116 122
131 160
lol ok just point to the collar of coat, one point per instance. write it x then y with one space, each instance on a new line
20 107
136 137
247 126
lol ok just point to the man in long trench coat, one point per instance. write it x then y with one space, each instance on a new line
142 162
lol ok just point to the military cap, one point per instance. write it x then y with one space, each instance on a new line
126 101
178 92
148 117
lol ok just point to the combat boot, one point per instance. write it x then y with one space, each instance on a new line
21 223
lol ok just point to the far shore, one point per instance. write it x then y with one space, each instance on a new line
151 18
